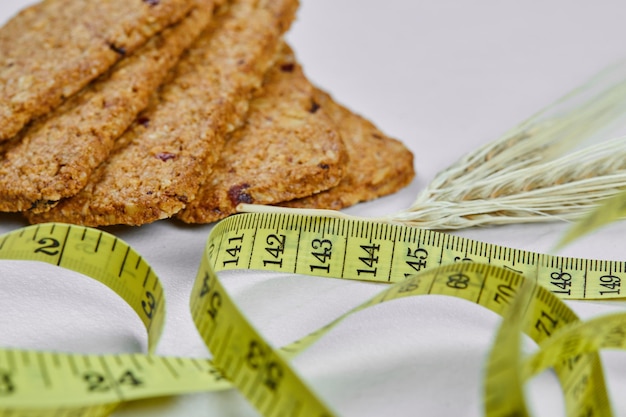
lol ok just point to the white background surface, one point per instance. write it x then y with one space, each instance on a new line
444 77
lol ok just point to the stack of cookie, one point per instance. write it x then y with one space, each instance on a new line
131 111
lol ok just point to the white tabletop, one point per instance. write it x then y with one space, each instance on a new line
444 77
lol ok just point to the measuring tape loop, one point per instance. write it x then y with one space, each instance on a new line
609 210
540 314
49 383
593 335
100 256
269 242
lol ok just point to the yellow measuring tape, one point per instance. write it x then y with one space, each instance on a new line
501 279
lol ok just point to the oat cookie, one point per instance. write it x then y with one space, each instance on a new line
378 164
288 148
51 50
158 165
53 158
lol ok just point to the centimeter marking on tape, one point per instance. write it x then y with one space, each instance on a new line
40 383
389 253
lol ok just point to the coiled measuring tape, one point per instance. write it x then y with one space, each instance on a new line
522 286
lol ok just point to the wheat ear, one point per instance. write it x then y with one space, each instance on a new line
533 173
